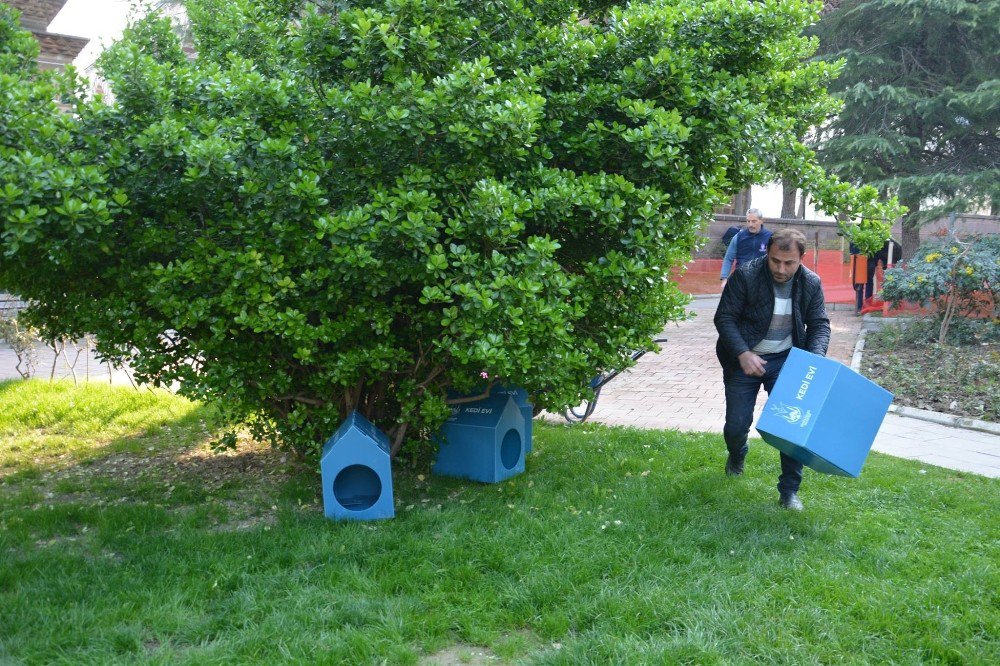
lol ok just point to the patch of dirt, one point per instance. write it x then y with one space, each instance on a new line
255 466
246 516
195 464
961 380
461 655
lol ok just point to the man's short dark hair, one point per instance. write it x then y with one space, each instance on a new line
784 239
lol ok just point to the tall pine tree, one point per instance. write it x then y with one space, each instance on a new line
921 94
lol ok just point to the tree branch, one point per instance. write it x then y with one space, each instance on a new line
437 370
472 398
397 443
301 398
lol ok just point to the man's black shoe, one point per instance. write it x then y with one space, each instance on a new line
734 465
791 501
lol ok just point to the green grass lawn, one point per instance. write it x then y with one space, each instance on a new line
123 539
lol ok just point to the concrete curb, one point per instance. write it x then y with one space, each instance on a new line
859 348
842 307
925 414
946 419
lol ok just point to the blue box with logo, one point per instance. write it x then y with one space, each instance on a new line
483 440
521 399
823 414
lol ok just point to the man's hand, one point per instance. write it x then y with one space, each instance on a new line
751 364
724 281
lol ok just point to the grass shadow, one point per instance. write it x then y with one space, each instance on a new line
56 427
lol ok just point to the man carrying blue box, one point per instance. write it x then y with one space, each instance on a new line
768 306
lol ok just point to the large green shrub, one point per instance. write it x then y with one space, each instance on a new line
359 204
954 277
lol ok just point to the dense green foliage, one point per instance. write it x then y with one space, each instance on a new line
868 235
360 204
954 277
921 93
968 265
148 549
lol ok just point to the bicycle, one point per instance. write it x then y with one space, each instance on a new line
596 384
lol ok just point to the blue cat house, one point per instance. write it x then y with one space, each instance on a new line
823 414
520 397
483 440
356 473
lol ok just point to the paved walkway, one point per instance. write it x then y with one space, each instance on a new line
74 363
681 388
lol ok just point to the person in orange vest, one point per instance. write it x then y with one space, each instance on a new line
859 275
882 257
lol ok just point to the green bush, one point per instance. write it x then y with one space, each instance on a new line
359 205
954 277
927 330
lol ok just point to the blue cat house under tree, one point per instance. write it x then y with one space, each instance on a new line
483 440
520 397
356 472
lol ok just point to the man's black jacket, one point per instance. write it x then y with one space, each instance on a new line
747 304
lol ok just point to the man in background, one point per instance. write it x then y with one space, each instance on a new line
771 304
882 257
747 245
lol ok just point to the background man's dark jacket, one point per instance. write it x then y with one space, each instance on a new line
747 304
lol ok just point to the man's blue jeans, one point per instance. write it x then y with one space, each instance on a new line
741 396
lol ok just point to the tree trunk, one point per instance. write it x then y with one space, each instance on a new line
788 192
911 231
741 202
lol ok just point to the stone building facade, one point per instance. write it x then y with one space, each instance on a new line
56 50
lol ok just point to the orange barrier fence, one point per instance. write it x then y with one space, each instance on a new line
702 275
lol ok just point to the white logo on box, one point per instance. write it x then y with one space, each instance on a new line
792 414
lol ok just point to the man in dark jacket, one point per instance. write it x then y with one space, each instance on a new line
769 305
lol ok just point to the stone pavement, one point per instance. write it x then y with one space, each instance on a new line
681 388
76 361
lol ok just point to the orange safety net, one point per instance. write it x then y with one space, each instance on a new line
702 275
